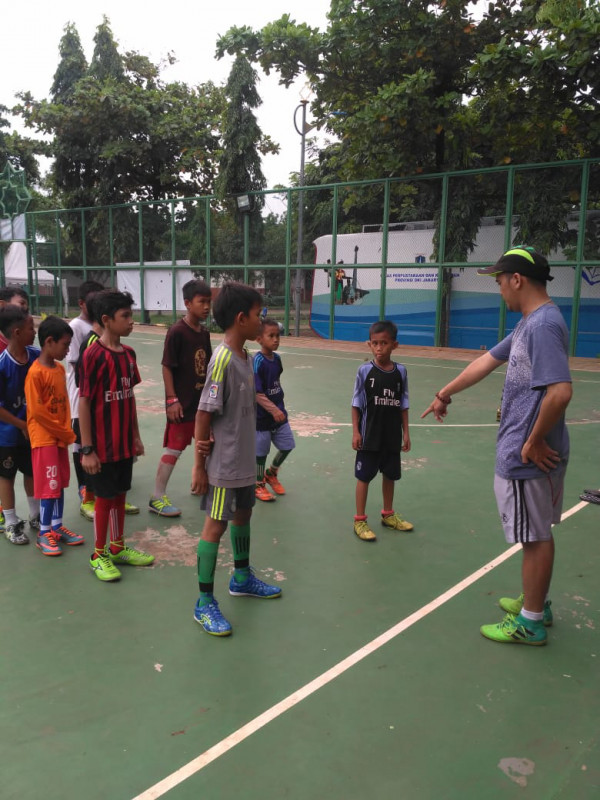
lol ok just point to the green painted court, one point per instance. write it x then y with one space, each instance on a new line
368 678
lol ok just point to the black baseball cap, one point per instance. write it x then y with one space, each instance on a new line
524 260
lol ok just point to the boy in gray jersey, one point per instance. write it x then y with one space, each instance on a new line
533 444
226 478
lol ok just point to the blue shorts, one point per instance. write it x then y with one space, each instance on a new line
282 437
369 462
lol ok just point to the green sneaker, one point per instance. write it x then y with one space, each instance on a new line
516 630
87 510
104 569
396 522
514 606
135 558
131 509
2 520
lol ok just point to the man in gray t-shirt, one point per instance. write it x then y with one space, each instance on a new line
533 443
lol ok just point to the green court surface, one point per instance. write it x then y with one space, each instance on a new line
368 678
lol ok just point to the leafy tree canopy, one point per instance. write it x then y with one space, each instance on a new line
422 86
119 133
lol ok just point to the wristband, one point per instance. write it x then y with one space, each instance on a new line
445 400
171 401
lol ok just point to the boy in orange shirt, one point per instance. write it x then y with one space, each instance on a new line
50 434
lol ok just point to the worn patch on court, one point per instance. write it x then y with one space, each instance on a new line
517 769
175 547
309 425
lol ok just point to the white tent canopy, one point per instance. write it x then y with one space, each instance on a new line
15 258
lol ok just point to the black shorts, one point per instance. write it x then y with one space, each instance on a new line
113 479
369 462
13 459
77 432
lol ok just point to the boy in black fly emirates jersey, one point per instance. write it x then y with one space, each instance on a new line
379 427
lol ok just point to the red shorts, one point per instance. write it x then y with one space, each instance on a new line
178 435
51 471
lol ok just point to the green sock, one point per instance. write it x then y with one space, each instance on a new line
206 562
240 544
280 457
260 468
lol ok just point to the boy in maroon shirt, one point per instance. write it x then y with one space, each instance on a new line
186 354
110 436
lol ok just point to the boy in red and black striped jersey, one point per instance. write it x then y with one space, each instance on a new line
110 435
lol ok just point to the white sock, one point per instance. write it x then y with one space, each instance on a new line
10 516
534 616
34 507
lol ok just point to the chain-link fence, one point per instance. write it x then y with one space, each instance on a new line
403 249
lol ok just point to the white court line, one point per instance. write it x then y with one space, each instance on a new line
237 737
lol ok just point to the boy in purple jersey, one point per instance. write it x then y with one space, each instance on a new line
186 354
532 450
380 428
16 326
271 417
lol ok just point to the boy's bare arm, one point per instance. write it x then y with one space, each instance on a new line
264 402
138 445
202 445
174 410
356 435
405 431
91 462
10 419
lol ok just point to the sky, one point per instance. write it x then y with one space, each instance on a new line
32 32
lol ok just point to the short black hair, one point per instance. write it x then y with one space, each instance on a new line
12 317
8 292
90 304
109 301
194 287
53 328
232 299
87 287
269 322
384 326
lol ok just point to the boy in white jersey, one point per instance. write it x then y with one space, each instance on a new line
533 445
226 479
81 326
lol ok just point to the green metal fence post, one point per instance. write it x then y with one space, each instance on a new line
58 257
111 246
508 215
288 261
384 249
173 264
144 315
334 226
208 237
246 245
31 260
83 245
441 256
585 185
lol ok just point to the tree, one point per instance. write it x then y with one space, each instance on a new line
240 169
120 134
419 87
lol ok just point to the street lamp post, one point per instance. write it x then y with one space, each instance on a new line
302 130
